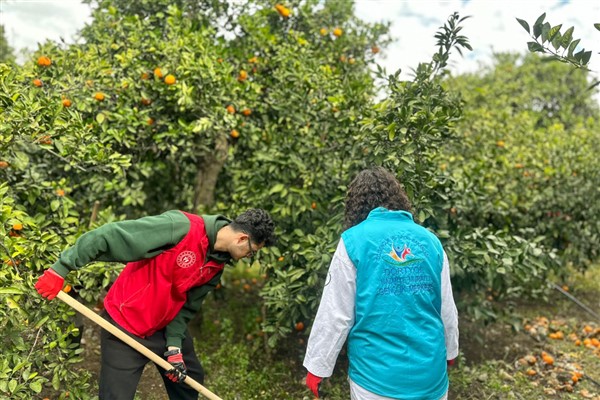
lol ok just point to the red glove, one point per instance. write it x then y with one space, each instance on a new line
49 284
313 382
451 362
178 372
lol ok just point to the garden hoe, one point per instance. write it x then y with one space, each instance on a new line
132 342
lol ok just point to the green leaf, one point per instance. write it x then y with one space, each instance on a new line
572 47
597 26
54 205
524 24
535 47
11 290
100 118
540 19
36 386
553 32
586 57
12 385
537 30
277 188
545 32
42 322
567 37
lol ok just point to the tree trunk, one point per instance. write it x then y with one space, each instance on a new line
207 175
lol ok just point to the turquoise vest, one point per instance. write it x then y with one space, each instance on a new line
396 347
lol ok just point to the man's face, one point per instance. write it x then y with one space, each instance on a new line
245 248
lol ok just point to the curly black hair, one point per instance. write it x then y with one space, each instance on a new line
372 188
257 223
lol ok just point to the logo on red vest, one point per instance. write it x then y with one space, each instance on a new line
186 259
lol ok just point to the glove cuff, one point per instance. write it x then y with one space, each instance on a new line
172 352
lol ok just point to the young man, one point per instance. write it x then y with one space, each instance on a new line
173 261
388 293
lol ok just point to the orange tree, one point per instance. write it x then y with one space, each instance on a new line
41 143
143 116
526 172
322 128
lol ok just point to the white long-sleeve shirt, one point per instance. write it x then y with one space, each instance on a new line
335 316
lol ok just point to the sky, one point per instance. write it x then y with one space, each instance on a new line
491 28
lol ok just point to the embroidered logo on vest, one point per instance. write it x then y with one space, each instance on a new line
186 259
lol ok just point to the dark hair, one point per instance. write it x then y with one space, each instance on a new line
258 224
372 188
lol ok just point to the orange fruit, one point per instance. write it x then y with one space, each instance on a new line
280 259
17 226
299 326
246 112
337 32
531 372
3 164
231 109
67 288
60 192
587 329
44 61
247 287
595 342
343 58
150 121
548 359
158 73
170 79
37 83
578 342
313 205
375 49
282 10
323 31
145 75
99 96
234 134
219 60
565 288
243 75
500 143
253 60
146 102
66 103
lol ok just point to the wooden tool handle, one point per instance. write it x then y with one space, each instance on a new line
161 362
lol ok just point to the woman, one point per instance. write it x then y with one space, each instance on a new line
388 293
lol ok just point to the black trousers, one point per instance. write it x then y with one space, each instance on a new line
122 366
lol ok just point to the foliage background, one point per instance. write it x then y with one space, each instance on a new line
279 109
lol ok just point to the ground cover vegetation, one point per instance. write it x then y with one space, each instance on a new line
213 108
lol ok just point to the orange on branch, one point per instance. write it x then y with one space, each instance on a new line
37 82
231 109
170 79
99 96
44 61
246 112
66 103
337 32
158 73
234 133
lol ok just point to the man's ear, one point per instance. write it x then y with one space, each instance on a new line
242 237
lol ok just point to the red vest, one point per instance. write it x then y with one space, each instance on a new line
149 293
